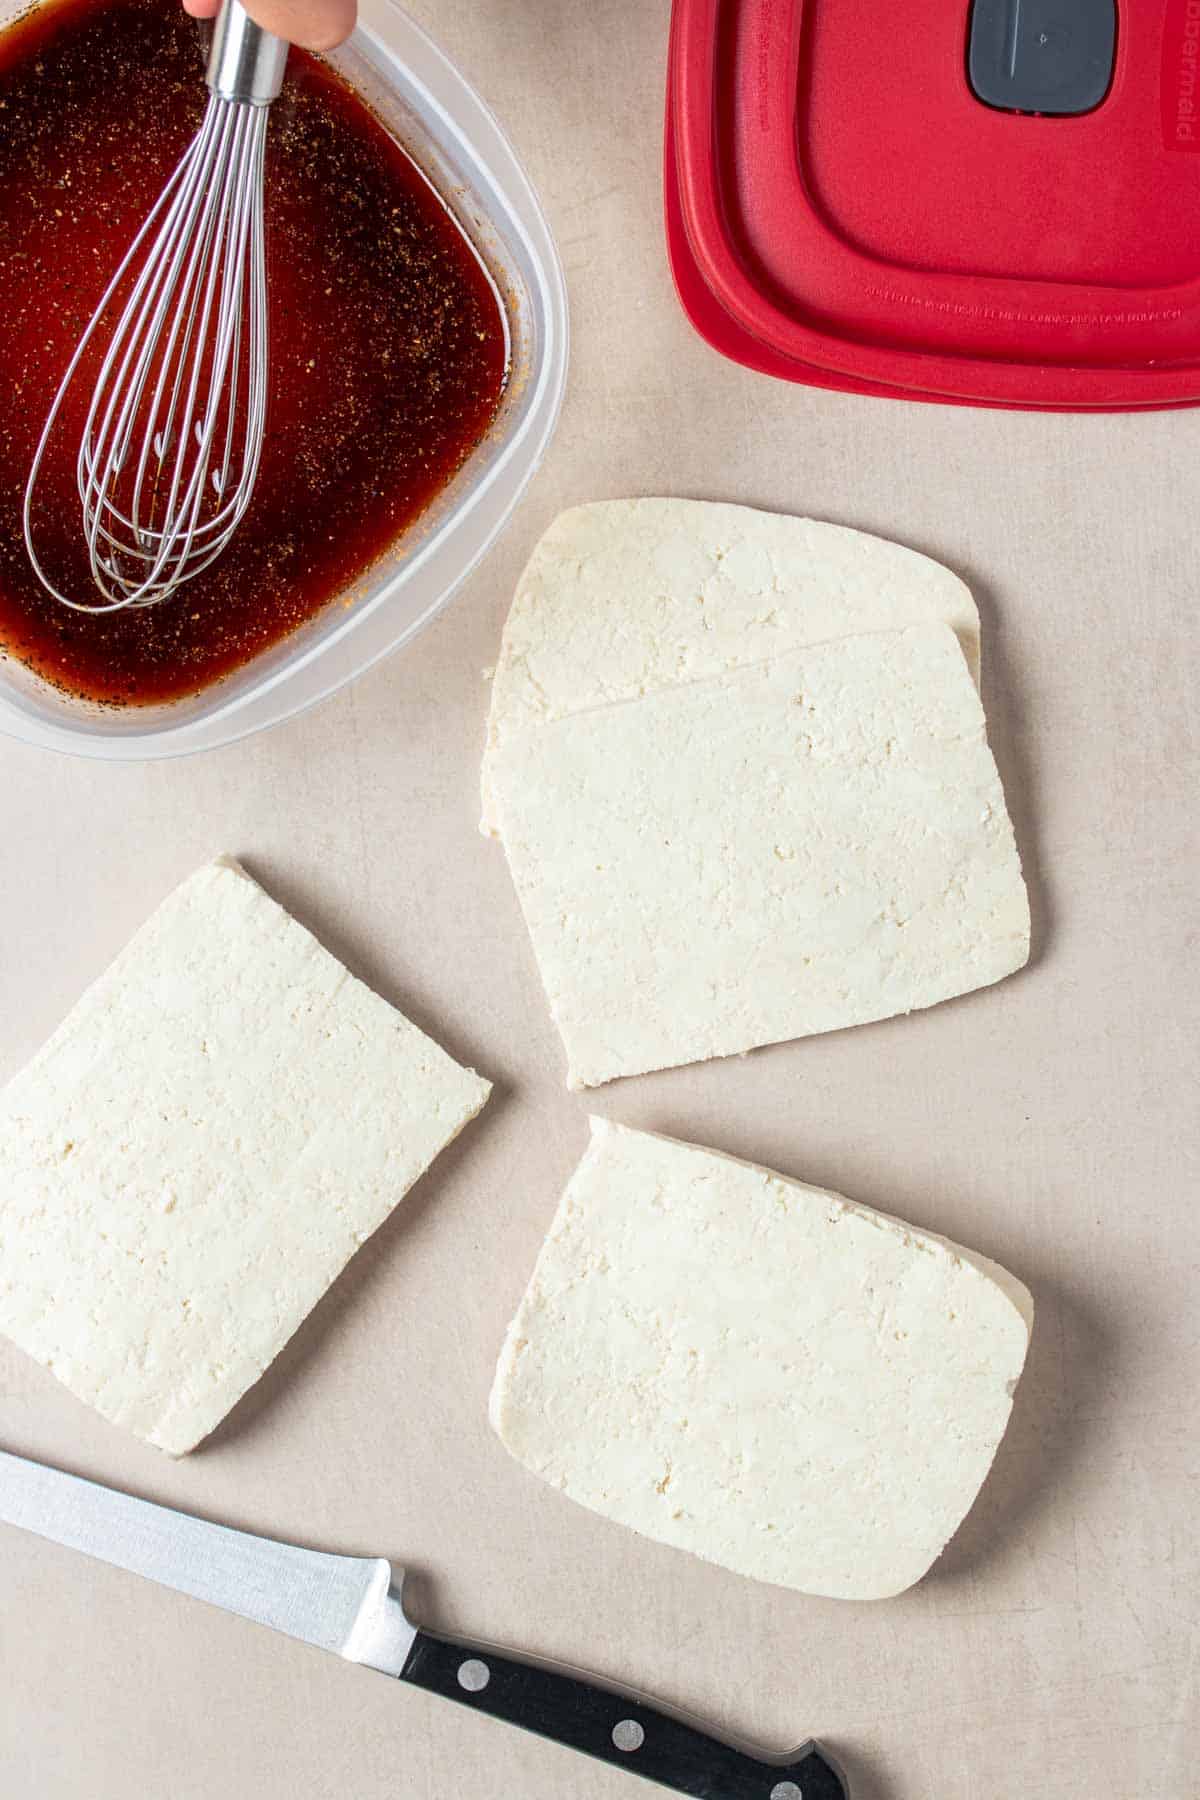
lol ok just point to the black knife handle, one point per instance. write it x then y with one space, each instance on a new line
627 1733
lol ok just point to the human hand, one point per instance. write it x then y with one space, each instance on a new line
316 24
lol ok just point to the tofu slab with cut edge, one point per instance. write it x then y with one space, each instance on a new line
623 597
199 1149
815 842
762 1373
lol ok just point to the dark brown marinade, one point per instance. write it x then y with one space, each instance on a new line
387 340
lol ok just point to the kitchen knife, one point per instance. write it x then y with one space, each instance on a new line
352 1605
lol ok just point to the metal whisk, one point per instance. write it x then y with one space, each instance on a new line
170 451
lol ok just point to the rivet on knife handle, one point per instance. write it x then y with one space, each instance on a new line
627 1733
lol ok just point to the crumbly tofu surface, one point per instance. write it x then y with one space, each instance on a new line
798 1388
200 1148
624 597
815 842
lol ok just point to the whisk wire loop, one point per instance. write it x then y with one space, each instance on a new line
182 288
173 436
120 385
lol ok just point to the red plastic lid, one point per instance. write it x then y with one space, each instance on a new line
843 210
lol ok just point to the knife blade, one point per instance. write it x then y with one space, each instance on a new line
354 1607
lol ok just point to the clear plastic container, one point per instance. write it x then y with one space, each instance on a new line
458 144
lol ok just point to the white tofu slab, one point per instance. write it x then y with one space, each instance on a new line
197 1152
762 1373
816 842
623 597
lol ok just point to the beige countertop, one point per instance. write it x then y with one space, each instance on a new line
1049 1123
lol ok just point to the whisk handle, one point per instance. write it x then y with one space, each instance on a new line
246 62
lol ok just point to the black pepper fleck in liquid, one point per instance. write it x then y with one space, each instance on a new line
387 341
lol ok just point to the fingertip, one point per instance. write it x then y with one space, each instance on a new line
313 24
327 24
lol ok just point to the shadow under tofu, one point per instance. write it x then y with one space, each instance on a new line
1055 1418
368 1265
330 930
865 1777
1005 707
366 1268
1056 1410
